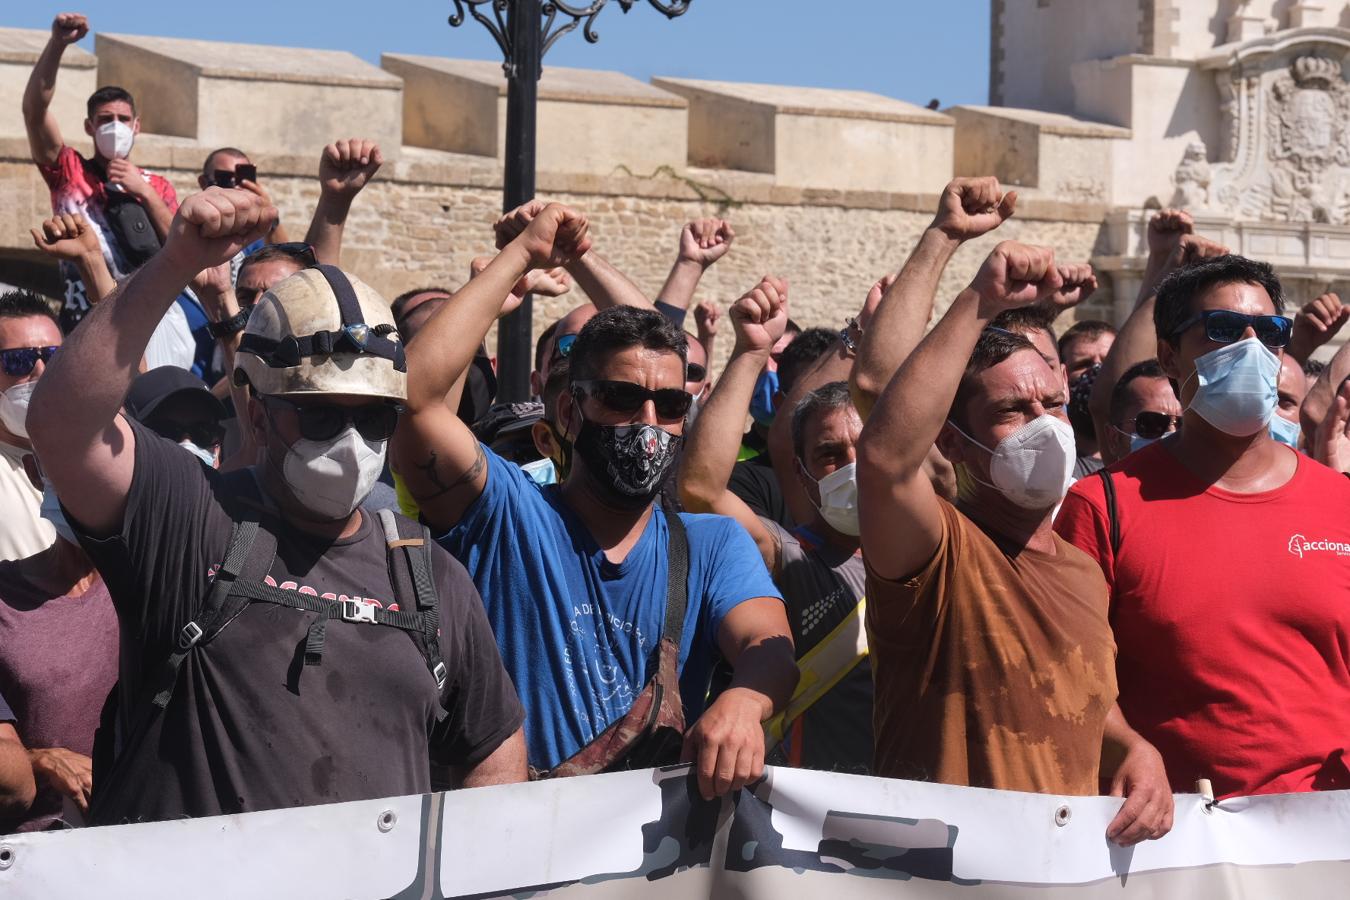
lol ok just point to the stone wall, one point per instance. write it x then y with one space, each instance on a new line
831 191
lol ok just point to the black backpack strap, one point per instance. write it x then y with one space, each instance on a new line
412 578
677 588
1112 516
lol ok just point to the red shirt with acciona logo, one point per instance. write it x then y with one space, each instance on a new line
1232 620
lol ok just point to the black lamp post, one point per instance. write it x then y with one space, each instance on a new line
525 30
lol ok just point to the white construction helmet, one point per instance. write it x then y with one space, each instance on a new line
321 331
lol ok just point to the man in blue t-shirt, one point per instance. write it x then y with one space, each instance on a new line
574 576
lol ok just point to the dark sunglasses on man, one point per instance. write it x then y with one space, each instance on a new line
627 398
1224 326
325 421
20 361
1152 425
227 179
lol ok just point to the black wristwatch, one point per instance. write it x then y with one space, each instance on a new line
228 327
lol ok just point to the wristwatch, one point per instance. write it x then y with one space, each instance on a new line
231 326
846 336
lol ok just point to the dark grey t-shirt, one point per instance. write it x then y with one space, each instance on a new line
822 587
250 726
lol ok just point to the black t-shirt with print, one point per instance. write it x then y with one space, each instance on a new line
250 726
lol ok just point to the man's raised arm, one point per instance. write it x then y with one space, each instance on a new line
86 448
605 285
44 135
439 459
968 208
759 319
898 509
345 168
702 243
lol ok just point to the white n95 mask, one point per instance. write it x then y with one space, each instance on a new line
331 478
1033 466
14 407
113 140
839 499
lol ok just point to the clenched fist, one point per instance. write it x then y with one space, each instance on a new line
510 225
705 241
1015 275
67 236
211 227
345 167
1166 227
1077 283
1316 323
970 207
67 28
555 237
760 317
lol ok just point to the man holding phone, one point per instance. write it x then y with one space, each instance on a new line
229 167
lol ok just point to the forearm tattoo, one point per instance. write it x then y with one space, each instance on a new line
432 474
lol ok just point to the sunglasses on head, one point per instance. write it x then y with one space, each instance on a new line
325 421
20 361
203 434
1153 425
1223 326
563 345
626 398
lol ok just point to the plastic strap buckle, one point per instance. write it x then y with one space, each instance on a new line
191 634
439 673
356 611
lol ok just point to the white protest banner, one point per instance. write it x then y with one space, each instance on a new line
648 834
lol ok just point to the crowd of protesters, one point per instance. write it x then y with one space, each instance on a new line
270 541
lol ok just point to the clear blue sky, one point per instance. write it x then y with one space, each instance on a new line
915 50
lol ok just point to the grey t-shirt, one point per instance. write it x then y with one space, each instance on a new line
822 587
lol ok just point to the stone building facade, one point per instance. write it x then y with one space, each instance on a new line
827 188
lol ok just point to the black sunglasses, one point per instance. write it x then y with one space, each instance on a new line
1153 425
695 372
204 434
1223 326
562 347
19 361
324 421
627 398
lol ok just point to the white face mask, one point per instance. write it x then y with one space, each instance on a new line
1236 392
205 455
1033 466
113 140
51 511
839 499
331 478
14 407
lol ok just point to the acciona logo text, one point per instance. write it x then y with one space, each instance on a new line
1301 546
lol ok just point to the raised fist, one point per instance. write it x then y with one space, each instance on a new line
67 28
1191 248
67 236
970 207
1016 275
556 236
705 241
1316 323
213 226
510 225
1166 228
1077 282
706 316
760 317
345 167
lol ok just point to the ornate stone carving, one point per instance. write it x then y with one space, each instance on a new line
1287 123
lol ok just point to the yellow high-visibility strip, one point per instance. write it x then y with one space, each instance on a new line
824 666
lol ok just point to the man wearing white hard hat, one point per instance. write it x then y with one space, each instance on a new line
281 647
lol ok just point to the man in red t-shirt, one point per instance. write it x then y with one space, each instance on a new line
81 185
1230 563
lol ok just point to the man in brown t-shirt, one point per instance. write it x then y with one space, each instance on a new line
992 655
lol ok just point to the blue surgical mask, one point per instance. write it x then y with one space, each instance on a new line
1284 431
52 512
542 472
1237 387
761 403
1139 443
